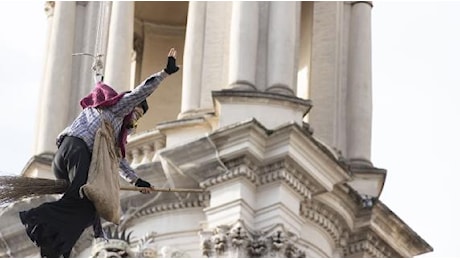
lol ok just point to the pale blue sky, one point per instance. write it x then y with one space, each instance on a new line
416 87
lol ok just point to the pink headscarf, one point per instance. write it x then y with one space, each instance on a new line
104 96
101 96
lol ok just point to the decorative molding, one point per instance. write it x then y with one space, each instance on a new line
361 243
258 97
194 201
366 244
397 234
283 170
119 245
238 241
326 218
286 170
240 167
115 245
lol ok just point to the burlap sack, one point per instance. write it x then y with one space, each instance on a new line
103 185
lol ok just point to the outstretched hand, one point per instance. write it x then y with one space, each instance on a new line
171 66
172 53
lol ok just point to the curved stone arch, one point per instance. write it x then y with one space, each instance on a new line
327 220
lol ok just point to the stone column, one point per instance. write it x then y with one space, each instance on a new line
49 11
243 45
359 95
283 33
120 46
56 84
193 58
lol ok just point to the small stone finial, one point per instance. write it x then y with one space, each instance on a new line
49 8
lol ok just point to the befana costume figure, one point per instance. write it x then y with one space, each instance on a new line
56 226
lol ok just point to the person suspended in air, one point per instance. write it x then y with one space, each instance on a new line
56 226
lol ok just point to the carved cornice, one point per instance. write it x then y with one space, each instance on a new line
195 201
366 243
262 97
288 171
240 167
284 170
390 228
326 218
238 241
352 243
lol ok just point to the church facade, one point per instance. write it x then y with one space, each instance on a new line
270 114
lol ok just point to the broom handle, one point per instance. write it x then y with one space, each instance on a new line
132 188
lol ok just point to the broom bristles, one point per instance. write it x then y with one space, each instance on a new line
14 188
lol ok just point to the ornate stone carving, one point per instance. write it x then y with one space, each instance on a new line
329 220
116 245
367 244
194 200
120 245
238 241
240 167
284 170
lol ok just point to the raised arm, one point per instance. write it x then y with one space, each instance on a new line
146 88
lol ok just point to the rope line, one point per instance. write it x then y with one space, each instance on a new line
97 65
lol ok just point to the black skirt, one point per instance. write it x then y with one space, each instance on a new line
56 226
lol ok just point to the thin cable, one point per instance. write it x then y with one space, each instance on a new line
98 66
97 44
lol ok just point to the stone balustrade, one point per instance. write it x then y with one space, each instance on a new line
142 146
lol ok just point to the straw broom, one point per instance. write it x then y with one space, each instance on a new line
13 188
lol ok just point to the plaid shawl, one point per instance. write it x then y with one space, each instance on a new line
104 96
